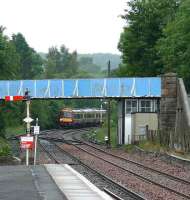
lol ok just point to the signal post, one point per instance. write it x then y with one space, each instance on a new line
28 120
26 142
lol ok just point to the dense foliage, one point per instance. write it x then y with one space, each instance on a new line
9 58
30 62
145 22
174 46
19 61
156 39
61 63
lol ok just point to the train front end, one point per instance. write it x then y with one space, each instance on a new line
66 118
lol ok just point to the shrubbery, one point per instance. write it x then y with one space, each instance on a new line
5 149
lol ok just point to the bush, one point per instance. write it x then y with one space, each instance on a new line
5 149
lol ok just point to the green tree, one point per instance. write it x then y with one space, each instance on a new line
9 69
86 64
61 63
145 22
2 28
174 48
30 61
47 112
9 59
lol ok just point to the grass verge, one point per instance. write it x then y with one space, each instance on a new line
12 131
5 149
99 134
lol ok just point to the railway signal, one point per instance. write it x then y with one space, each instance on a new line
26 142
14 98
18 97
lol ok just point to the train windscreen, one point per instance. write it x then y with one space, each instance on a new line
66 114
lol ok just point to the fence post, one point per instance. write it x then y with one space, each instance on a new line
146 132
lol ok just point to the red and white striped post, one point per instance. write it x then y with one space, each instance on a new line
14 98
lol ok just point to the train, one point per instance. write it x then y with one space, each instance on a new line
73 118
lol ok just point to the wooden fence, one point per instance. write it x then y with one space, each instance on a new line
167 138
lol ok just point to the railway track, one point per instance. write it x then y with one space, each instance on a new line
78 141
175 178
130 194
172 177
103 155
63 135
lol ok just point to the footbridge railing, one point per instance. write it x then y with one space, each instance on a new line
83 88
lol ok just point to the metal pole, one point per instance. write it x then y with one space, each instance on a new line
27 129
101 111
109 132
36 142
108 108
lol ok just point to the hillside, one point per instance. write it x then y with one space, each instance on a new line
101 59
94 65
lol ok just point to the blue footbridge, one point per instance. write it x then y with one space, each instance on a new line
83 88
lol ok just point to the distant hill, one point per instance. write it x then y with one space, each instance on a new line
101 59
94 65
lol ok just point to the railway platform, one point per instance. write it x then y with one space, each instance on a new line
74 185
46 182
21 183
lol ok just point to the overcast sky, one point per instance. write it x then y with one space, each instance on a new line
87 26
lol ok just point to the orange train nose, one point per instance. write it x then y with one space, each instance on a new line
66 120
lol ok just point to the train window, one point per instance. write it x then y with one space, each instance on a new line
77 116
67 115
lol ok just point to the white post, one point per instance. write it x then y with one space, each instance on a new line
36 142
27 129
101 113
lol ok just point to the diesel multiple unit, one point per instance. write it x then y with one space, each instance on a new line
81 117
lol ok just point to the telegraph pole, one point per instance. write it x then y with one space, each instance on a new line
109 108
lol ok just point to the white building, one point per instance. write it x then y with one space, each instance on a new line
134 116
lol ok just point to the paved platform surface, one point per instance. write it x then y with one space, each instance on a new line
74 185
28 183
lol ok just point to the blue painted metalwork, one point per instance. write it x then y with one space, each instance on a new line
83 88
